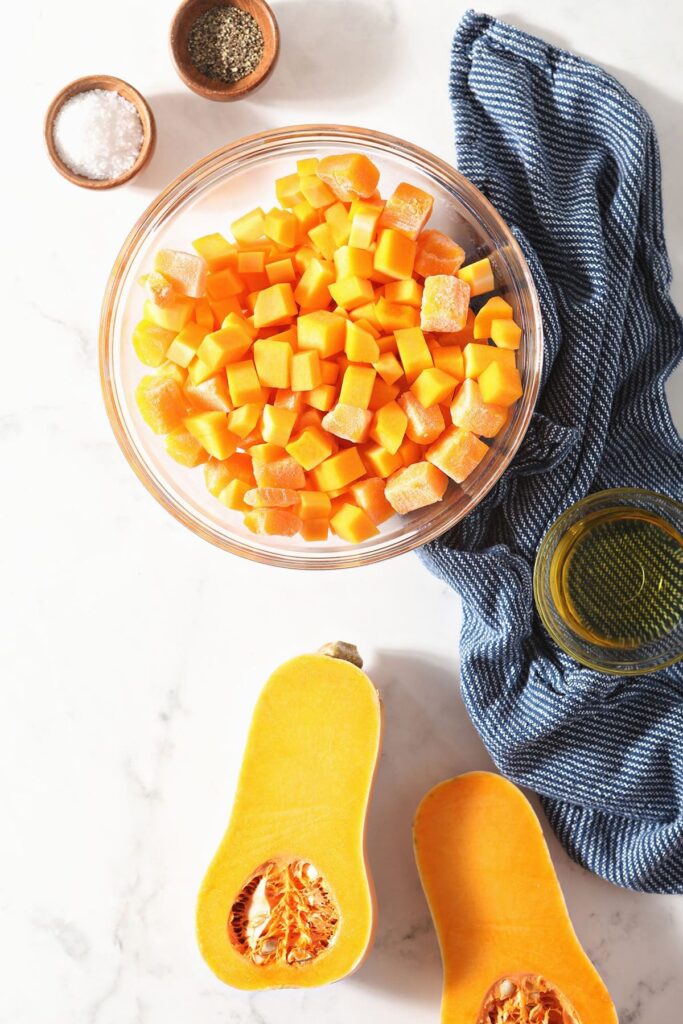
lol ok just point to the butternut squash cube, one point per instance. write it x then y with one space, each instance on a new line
314 530
288 190
151 343
477 357
470 412
273 521
393 316
227 345
357 385
351 261
323 240
500 385
184 346
348 422
445 301
339 470
306 374
312 291
281 271
274 305
316 192
337 217
313 505
388 367
172 317
415 486
479 276
211 430
349 175
353 524
233 494
457 453
407 293
437 254
185 448
250 227
161 403
243 383
380 462
277 424
389 426
368 494
352 292
273 360
395 254
433 386
495 309
413 352
223 284
360 346
323 331
323 397
506 334
210 394
185 271
310 448
215 250
364 217
449 359
407 210
424 425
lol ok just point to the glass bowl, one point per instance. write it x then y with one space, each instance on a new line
608 581
206 198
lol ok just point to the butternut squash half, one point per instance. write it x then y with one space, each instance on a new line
509 951
288 900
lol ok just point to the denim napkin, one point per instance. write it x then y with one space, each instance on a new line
570 160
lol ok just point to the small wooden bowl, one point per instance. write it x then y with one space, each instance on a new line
213 88
149 131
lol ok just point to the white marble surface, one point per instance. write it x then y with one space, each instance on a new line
131 651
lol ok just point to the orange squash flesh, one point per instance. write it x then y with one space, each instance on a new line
496 902
300 808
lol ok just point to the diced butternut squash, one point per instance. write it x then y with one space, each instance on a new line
505 334
457 453
233 495
477 357
415 486
211 430
348 422
445 301
277 424
216 251
357 385
309 364
185 448
413 352
273 360
283 472
437 254
243 383
407 210
349 175
151 343
161 403
470 412
353 524
479 276
500 385
495 309
310 448
185 271
339 470
424 425
395 254
274 305
389 427
272 521
323 331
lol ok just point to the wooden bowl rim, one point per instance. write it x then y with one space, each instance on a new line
211 88
128 92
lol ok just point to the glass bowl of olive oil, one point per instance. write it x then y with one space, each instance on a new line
608 581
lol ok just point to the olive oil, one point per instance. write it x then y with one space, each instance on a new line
616 577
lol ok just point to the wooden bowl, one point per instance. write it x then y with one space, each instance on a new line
149 131
213 88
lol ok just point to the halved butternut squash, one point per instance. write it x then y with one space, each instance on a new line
288 899
509 950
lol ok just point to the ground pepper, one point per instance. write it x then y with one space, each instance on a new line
225 43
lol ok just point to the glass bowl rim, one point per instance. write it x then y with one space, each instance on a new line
542 603
178 190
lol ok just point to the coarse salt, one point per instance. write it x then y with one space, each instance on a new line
98 134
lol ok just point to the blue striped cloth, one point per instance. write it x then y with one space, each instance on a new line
570 160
